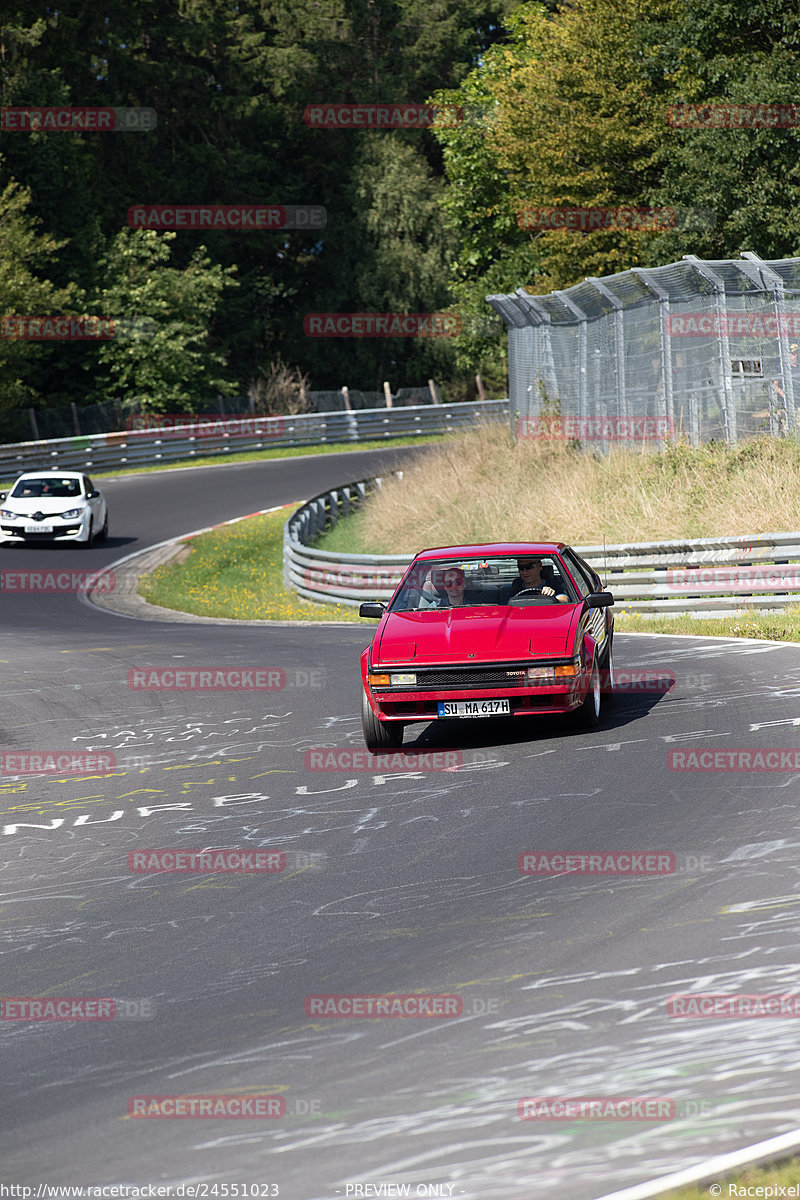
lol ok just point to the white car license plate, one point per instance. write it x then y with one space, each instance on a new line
473 708
39 528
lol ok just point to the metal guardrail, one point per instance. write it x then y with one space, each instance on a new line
202 437
718 576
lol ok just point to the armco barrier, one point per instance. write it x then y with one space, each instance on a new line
713 576
140 447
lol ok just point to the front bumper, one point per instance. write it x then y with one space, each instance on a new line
420 702
63 531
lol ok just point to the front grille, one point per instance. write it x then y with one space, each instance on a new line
438 678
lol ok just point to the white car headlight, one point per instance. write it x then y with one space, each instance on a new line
73 514
7 515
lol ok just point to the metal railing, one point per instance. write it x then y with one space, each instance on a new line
716 576
203 437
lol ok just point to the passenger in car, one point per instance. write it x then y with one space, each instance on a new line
456 593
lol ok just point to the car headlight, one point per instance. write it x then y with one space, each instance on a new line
73 514
535 673
399 680
7 515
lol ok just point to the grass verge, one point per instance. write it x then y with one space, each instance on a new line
778 627
784 1174
236 571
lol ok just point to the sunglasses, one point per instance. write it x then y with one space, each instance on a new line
528 566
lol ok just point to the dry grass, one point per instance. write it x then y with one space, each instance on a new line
485 486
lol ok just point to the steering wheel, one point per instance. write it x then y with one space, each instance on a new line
537 591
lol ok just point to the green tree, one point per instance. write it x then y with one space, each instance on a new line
26 259
166 360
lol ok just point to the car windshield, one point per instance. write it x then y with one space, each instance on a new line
513 579
59 489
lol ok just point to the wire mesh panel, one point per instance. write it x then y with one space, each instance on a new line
699 349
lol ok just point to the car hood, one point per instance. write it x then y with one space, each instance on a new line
495 634
49 505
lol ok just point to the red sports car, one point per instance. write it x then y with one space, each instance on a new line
515 629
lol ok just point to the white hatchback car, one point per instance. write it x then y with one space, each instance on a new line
53 505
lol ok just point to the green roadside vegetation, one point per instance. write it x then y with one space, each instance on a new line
783 1174
236 571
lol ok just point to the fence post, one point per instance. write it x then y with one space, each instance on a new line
76 423
387 391
434 390
34 426
346 397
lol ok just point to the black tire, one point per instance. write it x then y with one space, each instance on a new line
588 715
92 538
379 735
607 668
103 534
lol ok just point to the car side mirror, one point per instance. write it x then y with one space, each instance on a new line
93 494
3 495
599 600
371 608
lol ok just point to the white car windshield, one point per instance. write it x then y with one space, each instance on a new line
58 489
516 580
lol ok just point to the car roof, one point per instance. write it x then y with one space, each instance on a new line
49 471
487 549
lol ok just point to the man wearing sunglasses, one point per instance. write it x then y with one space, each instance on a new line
531 575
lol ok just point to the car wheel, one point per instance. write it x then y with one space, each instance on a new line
103 534
379 735
90 537
588 715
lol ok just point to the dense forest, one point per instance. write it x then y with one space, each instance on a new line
557 105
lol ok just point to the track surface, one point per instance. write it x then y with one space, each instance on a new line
394 883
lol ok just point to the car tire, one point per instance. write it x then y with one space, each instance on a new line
588 715
379 735
103 534
90 537
607 670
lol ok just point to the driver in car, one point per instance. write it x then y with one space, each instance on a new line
531 578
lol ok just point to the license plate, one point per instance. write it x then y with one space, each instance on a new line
39 528
473 708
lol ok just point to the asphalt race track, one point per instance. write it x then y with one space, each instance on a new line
394 883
